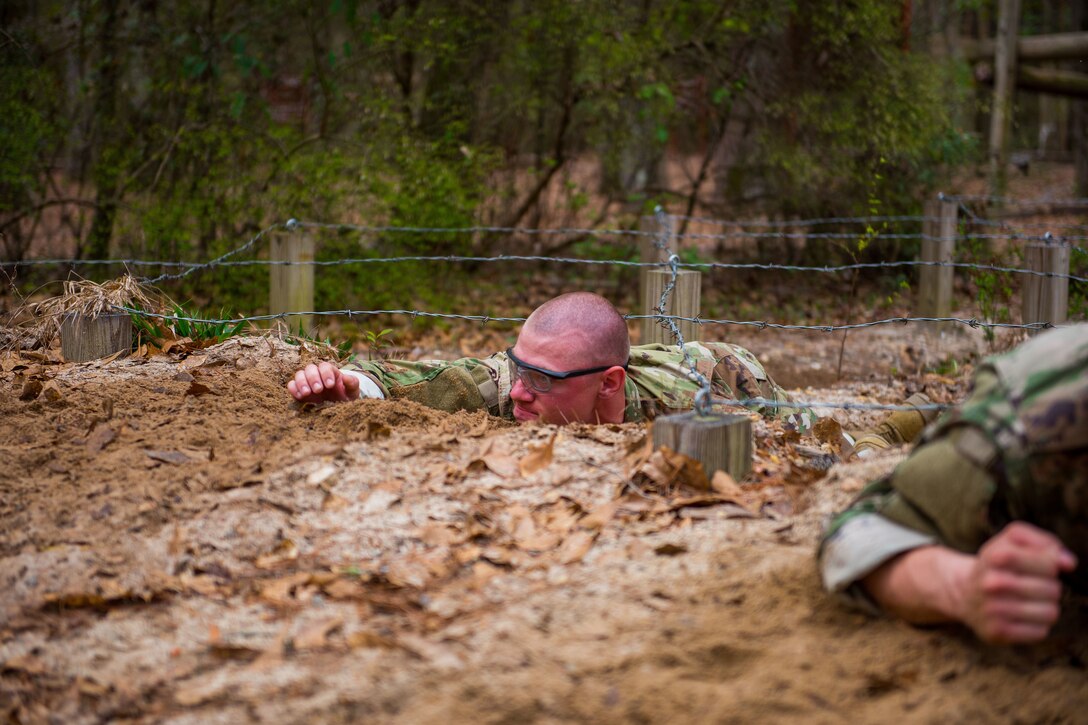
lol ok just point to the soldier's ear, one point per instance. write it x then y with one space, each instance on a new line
612 382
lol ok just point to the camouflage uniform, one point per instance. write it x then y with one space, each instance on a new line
1017 449
658 382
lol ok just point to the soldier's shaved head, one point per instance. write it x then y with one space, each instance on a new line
588 323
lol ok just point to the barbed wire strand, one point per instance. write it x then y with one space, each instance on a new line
572 260
768 403
1016 202
761 324
218 260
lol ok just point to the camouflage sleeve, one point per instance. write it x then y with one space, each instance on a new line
744 377
451 385
936 496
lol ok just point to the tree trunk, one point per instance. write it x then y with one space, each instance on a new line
106 170
1079 119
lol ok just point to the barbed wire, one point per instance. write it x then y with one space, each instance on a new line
579 260
816 404
567 231
1015 202
760 324
804 222
218 260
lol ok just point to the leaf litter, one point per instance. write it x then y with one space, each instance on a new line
373 549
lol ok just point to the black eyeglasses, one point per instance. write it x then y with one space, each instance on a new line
539 379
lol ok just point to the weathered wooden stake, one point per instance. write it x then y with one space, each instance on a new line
291 286
648 253
938 245
1046 299
719 442
84 338
683 302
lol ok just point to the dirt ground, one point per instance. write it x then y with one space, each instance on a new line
181 543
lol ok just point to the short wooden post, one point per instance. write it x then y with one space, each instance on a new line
1046 299
683 301
719 442
291 286
648 252
84 338
938 245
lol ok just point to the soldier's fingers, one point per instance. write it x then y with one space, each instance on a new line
1009 584
1067 560
1013 632
313 378
302 385
328 373
1023 611
1026 554
351 386
1030 536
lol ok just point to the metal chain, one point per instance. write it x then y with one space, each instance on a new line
661 241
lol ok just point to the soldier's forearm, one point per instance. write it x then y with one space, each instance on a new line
926 585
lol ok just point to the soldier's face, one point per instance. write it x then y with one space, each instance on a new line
568 401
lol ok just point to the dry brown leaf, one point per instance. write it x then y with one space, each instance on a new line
28 664
282 591
175 457
599 517
31 390
669 469
542 541
439 655
332 502
408 573
198 389
100 437
316 635
435 534
638 453
284 552
828 430
344 589
493 457
192 362
576 546
51 392
724 484
368 639
200 584
483 572
538 458
381 498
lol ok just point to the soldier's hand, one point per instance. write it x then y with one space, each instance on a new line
1013 592
321 382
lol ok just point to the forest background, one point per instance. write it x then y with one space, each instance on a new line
179 130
